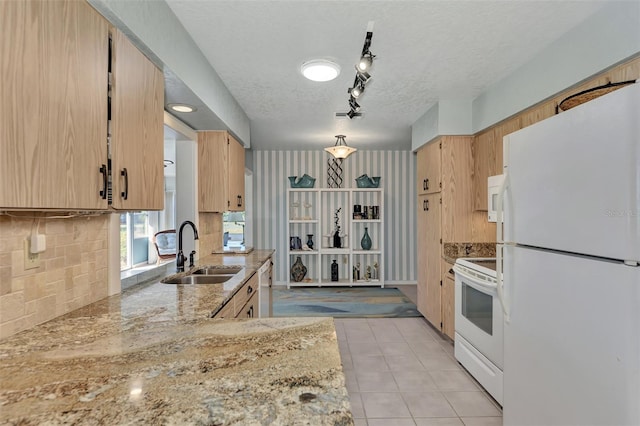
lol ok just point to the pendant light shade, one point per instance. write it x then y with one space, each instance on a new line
340 149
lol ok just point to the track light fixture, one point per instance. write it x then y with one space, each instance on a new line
355 107
356 90
366 60
362 76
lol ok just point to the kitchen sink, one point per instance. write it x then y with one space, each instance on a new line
198 279
217 271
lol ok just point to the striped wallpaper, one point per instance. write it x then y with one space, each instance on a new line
397 169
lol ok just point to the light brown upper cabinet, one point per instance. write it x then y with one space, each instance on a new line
487 159
137 150
428 171
220 172
53 118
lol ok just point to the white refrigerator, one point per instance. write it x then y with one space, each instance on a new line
570 276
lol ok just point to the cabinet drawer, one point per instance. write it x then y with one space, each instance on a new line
227 311
244 294
250 309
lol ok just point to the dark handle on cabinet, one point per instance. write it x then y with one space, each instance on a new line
426 203
249 290
239 200
451 271
250 312
424 184
103 193
124 173
427 184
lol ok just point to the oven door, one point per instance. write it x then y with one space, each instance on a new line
478 315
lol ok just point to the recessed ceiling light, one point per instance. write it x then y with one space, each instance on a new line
182 107
320 70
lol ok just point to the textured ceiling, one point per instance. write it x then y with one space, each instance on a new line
426 50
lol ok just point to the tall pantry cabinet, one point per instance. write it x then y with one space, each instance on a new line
445 215
54 120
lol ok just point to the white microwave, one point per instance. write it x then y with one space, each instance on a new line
494 183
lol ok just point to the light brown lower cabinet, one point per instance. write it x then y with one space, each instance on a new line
448 300
243 304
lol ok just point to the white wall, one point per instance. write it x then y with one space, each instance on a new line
610 36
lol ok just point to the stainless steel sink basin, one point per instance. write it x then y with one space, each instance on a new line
198 279
217 271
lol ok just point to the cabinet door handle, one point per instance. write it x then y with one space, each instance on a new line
424 205
424 184
239 197
103 192
124 173
426 181
427 205
451 271
250 312
249 290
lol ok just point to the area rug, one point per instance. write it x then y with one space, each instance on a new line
352 302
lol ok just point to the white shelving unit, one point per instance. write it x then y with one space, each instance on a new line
312 211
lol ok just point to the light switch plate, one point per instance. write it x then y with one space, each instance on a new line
31 261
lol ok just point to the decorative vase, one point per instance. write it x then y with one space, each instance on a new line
334 271
337 241
366 240
310 241
298 270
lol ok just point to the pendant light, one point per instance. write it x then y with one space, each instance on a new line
340 149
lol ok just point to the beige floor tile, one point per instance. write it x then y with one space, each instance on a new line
428 404
388 336
472 404
438 362
439 421
357 410
395 349
414 381
365 348
376 381
451 380
360 422
404 362
360 335
391 422
350 381
384 405
482 421
369 363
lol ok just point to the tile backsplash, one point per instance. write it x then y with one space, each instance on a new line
72 271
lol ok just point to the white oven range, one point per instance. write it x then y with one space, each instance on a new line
479 323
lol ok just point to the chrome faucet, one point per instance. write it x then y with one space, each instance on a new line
180 258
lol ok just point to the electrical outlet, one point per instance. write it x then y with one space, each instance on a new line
31 261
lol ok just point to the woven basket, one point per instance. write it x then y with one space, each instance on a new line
590 94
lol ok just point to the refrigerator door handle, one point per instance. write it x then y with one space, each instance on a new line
500 247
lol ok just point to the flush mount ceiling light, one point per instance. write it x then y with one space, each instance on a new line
320 70
340 149
182 107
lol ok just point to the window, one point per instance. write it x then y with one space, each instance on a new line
134 239
233 229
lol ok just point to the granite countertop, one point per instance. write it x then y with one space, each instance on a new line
452 251
152 355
